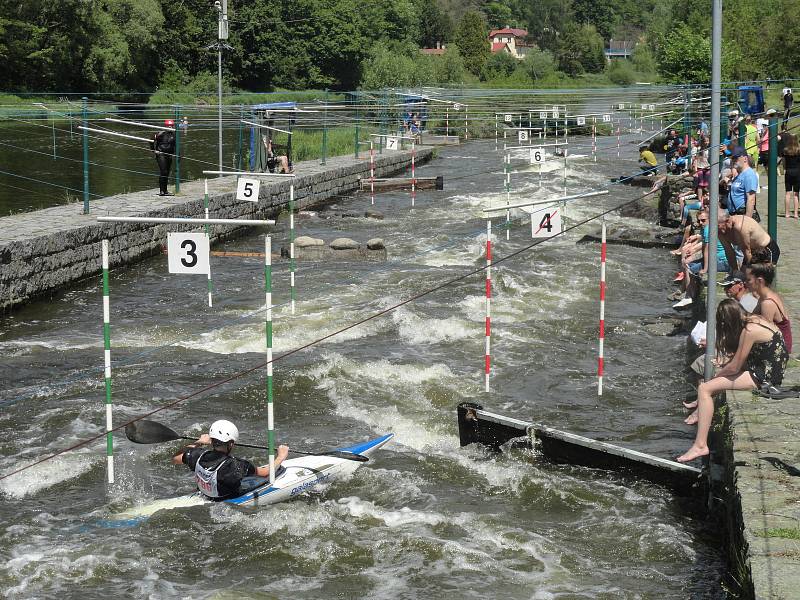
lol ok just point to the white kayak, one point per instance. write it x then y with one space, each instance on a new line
297 475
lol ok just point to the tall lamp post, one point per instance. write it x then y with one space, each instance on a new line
222 35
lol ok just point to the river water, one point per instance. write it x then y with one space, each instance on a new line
424 518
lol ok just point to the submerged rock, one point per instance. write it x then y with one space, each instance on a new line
373 214
375 244
305 241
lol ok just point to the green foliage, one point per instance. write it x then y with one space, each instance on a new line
500 64
449 67
644 60
581 51
435 25
388 68
539 65
621 72
471 37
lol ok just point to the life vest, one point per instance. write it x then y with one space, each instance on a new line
165 142
207 478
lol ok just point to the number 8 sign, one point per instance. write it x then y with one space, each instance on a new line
188 253
546 222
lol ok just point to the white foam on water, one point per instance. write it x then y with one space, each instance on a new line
39 477
419 330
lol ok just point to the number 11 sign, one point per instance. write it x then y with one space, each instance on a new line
546 222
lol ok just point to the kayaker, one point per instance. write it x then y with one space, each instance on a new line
218 474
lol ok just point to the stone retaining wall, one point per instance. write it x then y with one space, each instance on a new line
47 250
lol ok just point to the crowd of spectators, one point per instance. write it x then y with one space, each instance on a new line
753 330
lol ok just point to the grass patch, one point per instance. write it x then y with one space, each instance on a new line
789 533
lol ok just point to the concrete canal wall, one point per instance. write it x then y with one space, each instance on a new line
47 250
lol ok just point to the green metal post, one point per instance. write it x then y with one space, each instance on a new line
268 324
325 130
85 120
357 129
239 151
772 181
107 361
177 149
742 135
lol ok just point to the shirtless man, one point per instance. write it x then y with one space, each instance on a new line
747 235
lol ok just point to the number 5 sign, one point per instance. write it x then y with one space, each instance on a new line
247 189
188 253
546 222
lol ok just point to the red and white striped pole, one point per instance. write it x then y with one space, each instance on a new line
372 172
488 353
602 310
413 173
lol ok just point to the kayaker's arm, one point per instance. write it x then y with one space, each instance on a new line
283 452
203 440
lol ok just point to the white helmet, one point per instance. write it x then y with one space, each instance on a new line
224 431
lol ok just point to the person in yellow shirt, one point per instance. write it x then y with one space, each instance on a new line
647 160
751 139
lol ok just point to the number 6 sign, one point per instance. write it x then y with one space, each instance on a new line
546 222
188 253
537 156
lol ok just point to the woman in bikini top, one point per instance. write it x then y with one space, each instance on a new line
770 305
759 356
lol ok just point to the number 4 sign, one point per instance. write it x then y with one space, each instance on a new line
188 253
546 222
247 189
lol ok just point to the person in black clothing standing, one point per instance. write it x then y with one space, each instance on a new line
217 473
788 102
163 145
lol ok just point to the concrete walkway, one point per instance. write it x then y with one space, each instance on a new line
766 448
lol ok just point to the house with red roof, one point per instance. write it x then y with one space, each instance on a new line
511 40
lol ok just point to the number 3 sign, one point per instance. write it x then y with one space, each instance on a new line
188 253
546 222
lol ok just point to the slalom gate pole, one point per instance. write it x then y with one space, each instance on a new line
371 172
268 300
602 336
85 122
292 289
208 235
594 139
508 194
495 132
413 173
619 133
488 353
466 122
178 149
447 124
565 171
107 361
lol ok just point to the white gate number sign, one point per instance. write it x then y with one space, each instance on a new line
537 156
247 189
523 135
391 143
606 118
581 120
188 253
542 115
508 118
547 222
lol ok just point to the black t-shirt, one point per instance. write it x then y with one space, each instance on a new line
165 142
229 475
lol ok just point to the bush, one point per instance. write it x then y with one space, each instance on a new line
621 72
539 64
500 64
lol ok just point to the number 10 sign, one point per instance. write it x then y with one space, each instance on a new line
188 253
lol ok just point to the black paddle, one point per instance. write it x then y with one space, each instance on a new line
151 432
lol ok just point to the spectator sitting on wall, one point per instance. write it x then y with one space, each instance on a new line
770 304
759 357
274 160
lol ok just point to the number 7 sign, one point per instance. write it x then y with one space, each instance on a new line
188 253
546 222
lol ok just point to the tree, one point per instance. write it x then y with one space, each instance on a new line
472 40
449 67
539 64
500 64
581 50
435 25
602 15
785 31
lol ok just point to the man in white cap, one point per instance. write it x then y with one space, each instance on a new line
218 474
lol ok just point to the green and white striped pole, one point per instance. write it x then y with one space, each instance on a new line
208 235
107 361
291 246
270 415
507 168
